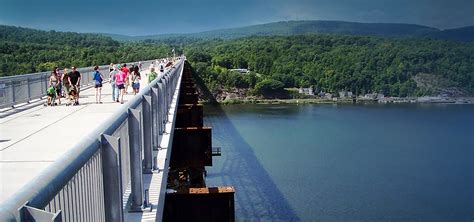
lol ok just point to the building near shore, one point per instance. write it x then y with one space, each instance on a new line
306 91
241 71
344 94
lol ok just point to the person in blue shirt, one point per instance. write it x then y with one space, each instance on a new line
98 78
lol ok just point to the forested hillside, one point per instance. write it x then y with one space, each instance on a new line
25 50
395 67
330 63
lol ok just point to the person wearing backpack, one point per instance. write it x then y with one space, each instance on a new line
98 84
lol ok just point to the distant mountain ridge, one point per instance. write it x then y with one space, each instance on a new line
287 28
465 34
337 27
28 35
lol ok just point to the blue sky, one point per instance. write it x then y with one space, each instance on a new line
144 17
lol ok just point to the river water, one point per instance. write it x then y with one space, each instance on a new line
346 162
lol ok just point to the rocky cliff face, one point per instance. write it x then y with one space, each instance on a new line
232 94
436 85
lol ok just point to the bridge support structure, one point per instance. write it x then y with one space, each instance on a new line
189 199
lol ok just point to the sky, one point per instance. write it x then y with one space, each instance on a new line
148 17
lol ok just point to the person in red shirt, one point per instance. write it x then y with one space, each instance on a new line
126 71
124 68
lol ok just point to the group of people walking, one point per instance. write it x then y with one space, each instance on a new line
67 85
64 85
121 78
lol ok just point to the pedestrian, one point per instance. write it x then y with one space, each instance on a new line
115 90
75 82
111 67
129 81
162 69
152 76
126 80
65 81
120 81
98 78
161 66
136 80
60 85
54 83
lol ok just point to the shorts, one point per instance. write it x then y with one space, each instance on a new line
136 85
98 85
120 86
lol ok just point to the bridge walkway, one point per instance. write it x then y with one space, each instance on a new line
33 138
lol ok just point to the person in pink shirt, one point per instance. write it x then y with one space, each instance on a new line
120 77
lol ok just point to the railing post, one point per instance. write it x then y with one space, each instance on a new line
155 110
13 93
136 140
165 100
112 178
156 116
168 100
41 86
29 90
46 82
147 134
161 104
168 92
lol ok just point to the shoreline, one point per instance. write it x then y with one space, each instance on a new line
411 100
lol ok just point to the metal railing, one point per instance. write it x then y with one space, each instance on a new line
88 183
25 88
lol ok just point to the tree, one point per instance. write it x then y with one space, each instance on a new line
269 87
